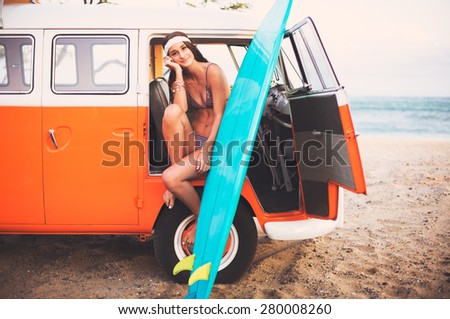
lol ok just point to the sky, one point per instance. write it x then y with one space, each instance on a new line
383 47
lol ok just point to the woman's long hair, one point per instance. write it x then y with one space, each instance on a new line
198 56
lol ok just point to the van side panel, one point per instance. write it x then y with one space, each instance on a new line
21 194
91 171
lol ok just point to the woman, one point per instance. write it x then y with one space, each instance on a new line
202 89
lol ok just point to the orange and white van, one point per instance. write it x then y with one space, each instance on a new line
82 94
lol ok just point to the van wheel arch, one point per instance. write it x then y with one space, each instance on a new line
238 256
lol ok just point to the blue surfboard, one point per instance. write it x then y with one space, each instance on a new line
232 153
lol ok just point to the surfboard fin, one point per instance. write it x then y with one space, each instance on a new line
184 264
201 273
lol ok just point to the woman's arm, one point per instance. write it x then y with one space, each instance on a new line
220 90
178 86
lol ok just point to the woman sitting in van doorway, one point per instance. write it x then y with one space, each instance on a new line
202 89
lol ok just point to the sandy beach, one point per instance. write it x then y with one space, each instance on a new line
394 244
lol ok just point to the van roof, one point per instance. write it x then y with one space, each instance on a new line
108 16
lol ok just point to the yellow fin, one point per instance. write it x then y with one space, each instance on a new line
184 264
201 273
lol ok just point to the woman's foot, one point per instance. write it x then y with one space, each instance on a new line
190 234
169 199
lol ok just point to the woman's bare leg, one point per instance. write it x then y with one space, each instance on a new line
177 178
178 133
179 137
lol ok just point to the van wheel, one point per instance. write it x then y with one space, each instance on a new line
173 225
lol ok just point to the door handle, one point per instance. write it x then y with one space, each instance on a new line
52 136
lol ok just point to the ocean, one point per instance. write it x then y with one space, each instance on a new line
415 117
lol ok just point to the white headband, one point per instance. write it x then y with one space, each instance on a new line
173 41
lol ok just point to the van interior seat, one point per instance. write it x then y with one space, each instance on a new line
159 100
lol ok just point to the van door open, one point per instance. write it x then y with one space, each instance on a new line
324 137
91 148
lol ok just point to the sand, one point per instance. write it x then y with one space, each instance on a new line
394 244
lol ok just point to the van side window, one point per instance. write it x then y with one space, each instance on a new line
94 64
227 53
3 67
228 57
16 64
311 48
313 68
292 69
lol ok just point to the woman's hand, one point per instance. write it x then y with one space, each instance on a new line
169 199
203 159
172 65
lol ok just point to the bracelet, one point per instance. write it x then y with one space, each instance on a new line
176 89
177 86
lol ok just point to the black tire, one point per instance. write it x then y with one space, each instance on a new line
169 250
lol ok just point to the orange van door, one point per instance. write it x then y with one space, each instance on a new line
324 136
90 143
21 195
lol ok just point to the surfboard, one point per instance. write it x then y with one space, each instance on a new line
232 151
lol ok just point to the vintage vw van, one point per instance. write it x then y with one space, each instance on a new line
82 93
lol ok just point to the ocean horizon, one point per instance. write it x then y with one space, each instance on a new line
415 117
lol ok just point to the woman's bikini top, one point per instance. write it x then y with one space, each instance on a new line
192 103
